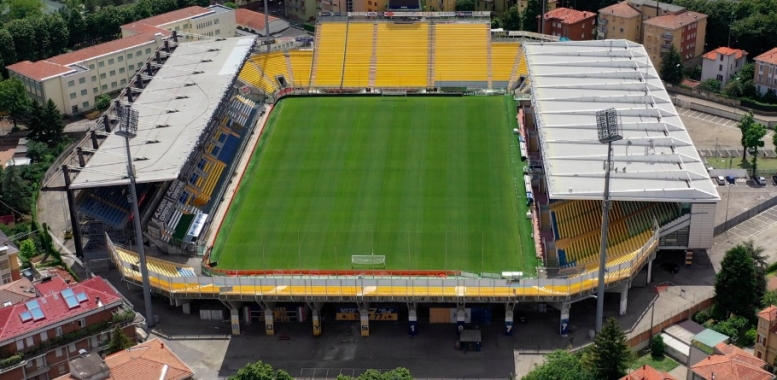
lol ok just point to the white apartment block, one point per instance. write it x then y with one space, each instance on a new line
722 64
193 23
766 72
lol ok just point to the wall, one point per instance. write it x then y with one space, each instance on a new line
702 225
621 28
642 339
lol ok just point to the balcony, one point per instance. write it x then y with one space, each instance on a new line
602 21
665 48
668 36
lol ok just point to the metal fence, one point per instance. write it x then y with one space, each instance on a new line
733 222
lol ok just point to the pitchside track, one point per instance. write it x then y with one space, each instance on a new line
432 183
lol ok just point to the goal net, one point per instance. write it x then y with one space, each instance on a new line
402 93
368 261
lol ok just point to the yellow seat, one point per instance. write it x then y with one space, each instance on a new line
301 65
330 52
358 54
402 54
461 52
503 56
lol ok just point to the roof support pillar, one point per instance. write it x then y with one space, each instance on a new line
71 205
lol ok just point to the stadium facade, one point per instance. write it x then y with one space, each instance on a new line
202 103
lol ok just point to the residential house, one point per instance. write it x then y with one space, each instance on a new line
722 64
193 23
570 23
305 10
151 360
766 340
766 72
254 22
9 260
620 21
40 335
647 372
17 291
731 363
686 31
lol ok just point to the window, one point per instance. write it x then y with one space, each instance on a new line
720 67
59 330
621 30
201 164
121 70
104 87
30 341
121 58
113 84
4 265
94 90
94 78
193 179
101 63
91 66
102 75
6 278
58 352
216 21
85 104
81 80
148 50
71 348
110 61
71 83
138 53
129 55
218 31
61 369
113 72
222 137
131 67
83 92
39 361
44 336
72 95
123 82
19 345
720 77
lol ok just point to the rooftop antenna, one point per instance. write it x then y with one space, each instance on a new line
608 129
128 128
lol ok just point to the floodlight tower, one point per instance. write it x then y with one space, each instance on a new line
128 128
609 130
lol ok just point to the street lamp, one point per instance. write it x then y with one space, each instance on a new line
608 130
128 128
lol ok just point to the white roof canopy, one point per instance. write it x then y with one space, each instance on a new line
656 159
174 110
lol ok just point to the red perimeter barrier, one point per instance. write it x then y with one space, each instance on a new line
330 272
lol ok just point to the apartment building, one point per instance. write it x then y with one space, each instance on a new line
686 31
766 73
40 335
305 10
254 22
570 23
522 4
9 260
620 21
442 5
722 64
193 23
731 363
766 340
649 8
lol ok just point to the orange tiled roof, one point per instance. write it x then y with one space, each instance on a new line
173 16
713 55
735 352
768 57
38 70
647 372
729 368
251 19
676 21
139 28
568 16
622 9
770 313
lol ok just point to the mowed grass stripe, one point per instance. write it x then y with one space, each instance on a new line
427 182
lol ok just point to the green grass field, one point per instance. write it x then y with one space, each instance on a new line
433 183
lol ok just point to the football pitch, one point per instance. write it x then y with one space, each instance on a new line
432 183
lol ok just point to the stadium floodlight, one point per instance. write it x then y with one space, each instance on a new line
128 128
608 128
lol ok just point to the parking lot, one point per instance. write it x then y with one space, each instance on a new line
710 132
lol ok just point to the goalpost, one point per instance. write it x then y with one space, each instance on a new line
368 261
402 93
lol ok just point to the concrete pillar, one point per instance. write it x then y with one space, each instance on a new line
316 322
234 317
624 299
247 314
461 318
269 327
564 325
187 308
364 317
509 322
650 271
412 319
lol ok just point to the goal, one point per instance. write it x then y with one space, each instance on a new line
368 261
402 93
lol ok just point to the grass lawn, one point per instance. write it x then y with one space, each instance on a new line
727 163
433 183
665 363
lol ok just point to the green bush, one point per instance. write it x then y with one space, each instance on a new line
657 347
702 317
749 338
9 361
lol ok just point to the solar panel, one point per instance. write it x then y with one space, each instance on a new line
81 297
25 316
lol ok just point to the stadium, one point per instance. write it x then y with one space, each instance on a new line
397 163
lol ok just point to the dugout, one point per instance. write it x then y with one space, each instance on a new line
469 340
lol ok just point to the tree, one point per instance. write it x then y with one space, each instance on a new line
657 347
371 374
102 102
511 20
7 49
18 9
733 89
16 193
710 85
37 151
609 356
230 5
671 66
119 340
260 371
75 25
465 5
769 299
770 97
560 365
27 251
745 123
46 124
23 35
761 265
13 99
530 16
735 284
753 140
58 33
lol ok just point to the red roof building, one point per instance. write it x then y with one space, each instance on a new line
722 64
766 71
732 363
254 22
45 331
647 372
570 23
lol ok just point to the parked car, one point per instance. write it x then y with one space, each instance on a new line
670 267
759 181
721 181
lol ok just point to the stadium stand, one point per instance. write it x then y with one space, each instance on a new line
459 43
402 55
503 56
107 204
156 266
358 54
252 75
301 66
330 52
272 65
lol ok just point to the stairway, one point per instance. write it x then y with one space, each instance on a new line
514 74
430 79
488 46
290 79
315 57
374 57
345 53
